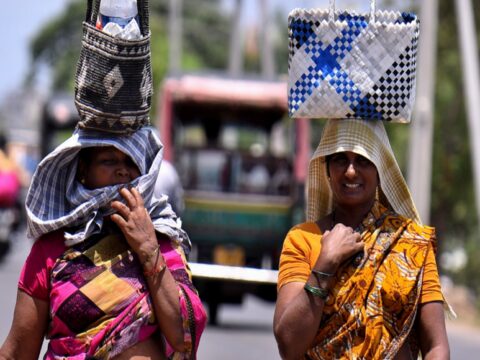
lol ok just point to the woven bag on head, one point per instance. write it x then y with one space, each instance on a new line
347 65
113 83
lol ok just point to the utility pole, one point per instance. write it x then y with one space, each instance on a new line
235 54
421 130
471 83
268 67
175 37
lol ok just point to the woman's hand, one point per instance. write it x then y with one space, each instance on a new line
338 245
134 221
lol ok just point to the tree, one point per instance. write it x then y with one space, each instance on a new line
58 43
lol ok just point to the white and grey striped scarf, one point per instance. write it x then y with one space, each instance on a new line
57 200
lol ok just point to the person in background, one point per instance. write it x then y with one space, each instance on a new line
168 183
10 191
9 180
107 276
358 280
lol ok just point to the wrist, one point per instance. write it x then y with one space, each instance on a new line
146 250
322 279
154 264
148 255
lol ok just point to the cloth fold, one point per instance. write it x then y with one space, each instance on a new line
57 200
372 307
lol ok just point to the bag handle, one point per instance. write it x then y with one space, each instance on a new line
93 8
331 14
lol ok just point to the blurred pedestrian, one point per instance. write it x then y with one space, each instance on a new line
9 179
168 183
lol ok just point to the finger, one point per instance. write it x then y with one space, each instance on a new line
326 232
121 208
138 196
120 221
129 197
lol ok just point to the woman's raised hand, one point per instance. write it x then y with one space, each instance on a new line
134 221
338 245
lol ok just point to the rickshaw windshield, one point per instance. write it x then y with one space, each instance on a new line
235 157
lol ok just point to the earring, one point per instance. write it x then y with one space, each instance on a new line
82 181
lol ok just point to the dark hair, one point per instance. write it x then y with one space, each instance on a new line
85 155
3 141
327 163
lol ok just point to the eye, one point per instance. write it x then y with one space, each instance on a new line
363 161
108 161
339 159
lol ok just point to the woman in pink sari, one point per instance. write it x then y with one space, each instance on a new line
107 276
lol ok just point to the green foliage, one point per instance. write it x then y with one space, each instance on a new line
58 45
205 40
469 275
453 201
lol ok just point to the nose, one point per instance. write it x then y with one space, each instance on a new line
123 172
350 171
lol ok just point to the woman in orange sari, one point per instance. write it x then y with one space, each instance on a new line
358 280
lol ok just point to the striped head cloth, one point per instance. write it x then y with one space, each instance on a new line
57 200
366 138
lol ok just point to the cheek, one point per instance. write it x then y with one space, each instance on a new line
100 175
374 178
135 173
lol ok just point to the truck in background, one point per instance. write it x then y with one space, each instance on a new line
242 163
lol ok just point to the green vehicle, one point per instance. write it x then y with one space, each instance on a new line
242 164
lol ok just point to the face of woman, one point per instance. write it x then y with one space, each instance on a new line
353 179
107 166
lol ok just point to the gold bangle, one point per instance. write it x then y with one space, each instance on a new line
151 255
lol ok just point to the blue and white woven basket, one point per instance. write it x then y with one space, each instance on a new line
347 65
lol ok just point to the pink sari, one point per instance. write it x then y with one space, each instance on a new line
100 305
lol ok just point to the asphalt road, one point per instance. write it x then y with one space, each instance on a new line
245 332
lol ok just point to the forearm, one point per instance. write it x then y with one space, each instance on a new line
165 296
14 351
28 327
297 324
440 352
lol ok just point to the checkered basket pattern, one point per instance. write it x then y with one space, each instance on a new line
113 82
348 65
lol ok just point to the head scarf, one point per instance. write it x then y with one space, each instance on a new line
57 200
366 138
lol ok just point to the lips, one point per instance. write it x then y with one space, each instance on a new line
352 186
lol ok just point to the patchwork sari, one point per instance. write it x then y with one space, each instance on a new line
100 305
372 307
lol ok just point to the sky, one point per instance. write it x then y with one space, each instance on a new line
19 22
22 19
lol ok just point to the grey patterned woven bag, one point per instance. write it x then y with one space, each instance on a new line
113 83
348 65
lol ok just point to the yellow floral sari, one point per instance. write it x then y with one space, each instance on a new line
372 307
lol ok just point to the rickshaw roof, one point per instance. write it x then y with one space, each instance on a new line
221 90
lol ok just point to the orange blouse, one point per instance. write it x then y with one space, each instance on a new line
302 247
